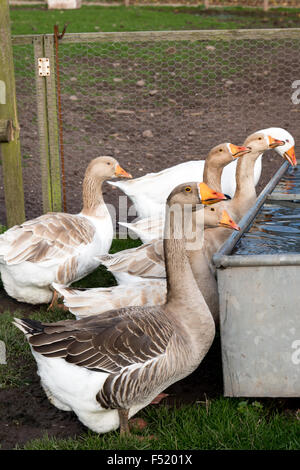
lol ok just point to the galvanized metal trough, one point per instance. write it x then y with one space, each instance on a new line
260 312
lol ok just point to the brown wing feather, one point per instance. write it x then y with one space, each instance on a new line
146 260
53 235
109 342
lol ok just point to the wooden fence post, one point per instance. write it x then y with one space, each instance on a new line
10 150
206 4
266 5
47 123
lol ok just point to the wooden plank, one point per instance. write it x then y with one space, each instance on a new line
201 35
23 39
142 36
10 151
55 170
41 98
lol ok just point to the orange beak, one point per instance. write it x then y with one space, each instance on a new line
273 143
238 151
209 196
122 173
228 222
290 156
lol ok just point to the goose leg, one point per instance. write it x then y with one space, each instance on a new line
54 300
124 427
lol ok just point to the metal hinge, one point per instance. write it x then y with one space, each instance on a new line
44 67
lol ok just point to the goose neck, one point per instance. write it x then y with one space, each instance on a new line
93 202
245 184
181 284
212 175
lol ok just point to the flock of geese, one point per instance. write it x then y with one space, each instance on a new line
130 342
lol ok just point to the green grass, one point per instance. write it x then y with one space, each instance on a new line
221 424
16 372
39 20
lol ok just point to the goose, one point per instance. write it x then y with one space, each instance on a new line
135 264
107 367
149 291
147 261
149 192
59 247
245 194
152 227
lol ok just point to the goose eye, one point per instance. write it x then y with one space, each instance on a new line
260 138
108 163
212 209
287 140
220 150
188 189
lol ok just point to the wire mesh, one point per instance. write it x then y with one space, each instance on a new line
158 103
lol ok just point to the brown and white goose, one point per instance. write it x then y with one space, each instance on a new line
59 247
107 367
152 289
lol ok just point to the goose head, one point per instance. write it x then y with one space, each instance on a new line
223 154
216 216
261 141
287 150
105 167
194 194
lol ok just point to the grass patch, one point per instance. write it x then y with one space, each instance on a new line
222 424
40 20
16 372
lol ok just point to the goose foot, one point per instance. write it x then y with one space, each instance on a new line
159 398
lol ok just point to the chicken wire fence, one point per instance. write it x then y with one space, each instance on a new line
150 99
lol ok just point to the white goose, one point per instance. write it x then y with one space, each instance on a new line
59 247
107 367
149 192
151 228
149 291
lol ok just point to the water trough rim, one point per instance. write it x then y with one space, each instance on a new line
223 258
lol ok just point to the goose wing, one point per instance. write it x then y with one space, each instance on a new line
109 342
52 236
146 260
95 301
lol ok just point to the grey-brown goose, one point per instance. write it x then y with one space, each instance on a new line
245 194
107 367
